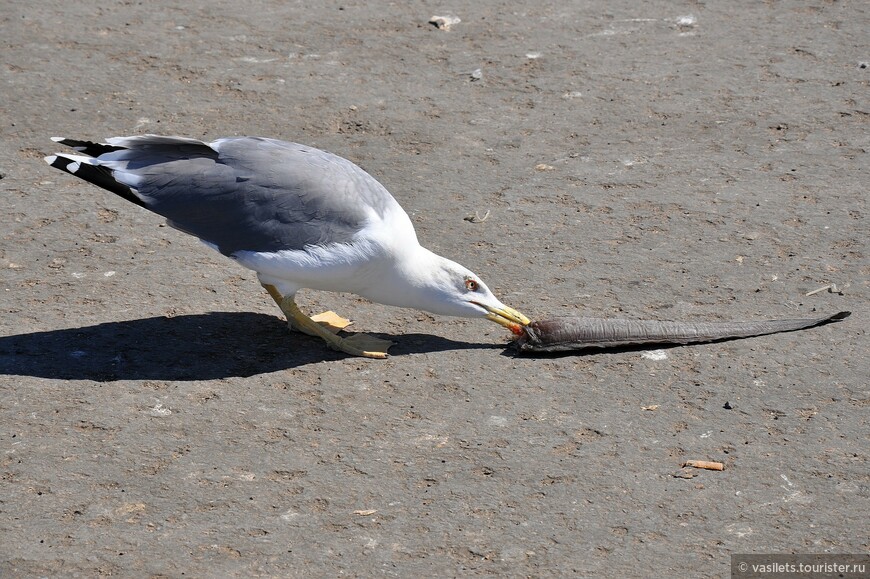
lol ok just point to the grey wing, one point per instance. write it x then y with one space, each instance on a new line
249 193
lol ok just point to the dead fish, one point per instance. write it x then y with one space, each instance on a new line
570 333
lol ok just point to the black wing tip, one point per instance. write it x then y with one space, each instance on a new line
95 174
76 144
51 160
839 316
62 162
87 147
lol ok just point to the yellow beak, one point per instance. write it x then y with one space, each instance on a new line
505 316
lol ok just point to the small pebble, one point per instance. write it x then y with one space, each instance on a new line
444 22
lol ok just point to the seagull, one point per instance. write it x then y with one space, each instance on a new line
298 216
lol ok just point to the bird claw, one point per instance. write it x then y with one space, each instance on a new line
355 344
326 327
329 321
364 345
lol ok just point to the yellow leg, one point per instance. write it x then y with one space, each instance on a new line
326 326
329 320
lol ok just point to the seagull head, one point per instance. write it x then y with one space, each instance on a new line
437 285
480 297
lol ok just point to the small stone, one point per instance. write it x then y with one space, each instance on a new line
444 22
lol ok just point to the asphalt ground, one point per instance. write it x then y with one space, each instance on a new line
656 160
